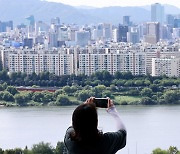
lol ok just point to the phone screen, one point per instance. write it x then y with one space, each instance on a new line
101 102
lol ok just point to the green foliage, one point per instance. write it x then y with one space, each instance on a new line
47 97
84 94
129 83
59 148
107 93
4 75
63 100
20 99
171 150
42 148
172 97
37 97
98 90
159 151
146 92
161 90
1 151
133 92
147 101
67 89
12 90
6 96
13 151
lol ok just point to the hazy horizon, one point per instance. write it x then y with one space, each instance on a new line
106 3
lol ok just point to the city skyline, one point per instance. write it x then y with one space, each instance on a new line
106 3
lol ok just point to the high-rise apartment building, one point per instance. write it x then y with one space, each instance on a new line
166 66
133 35
157 13
112 62
122 33
82 38
29 61
177 23
153 32
170 20
126 20
5 25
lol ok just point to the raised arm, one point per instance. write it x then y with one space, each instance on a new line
113 112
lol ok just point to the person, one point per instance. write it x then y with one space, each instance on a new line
83 137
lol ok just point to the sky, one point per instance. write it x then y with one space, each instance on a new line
104 3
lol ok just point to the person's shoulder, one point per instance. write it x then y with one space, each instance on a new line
69 131
118 134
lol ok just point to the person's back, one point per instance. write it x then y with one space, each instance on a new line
85 142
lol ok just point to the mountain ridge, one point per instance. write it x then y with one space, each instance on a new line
17 10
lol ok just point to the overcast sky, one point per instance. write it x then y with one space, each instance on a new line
103 3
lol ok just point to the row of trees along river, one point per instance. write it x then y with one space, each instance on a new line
124 88
46 148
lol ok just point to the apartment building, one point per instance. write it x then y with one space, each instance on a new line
112 62
166 66
29 61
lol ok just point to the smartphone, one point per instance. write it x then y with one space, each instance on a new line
101 102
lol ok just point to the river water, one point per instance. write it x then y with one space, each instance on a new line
148 127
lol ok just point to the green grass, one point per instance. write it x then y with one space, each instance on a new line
128 99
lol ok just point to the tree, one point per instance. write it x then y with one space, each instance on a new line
159 151
57 92
98 90
63 100
154 87
67 89
12 90
37 97
48 97
118 75
1 95
172 97
173 150
146 92
147 101
20 99
84 94
4 85
139 83
147 82
133 92
4 75
1 151
129 83
42 148
107 93
60 147
127 75
121 82
7 96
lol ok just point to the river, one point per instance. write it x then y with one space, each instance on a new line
148 127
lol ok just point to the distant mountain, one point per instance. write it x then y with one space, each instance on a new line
18 10
85 7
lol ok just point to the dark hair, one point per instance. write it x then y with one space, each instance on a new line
85 121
